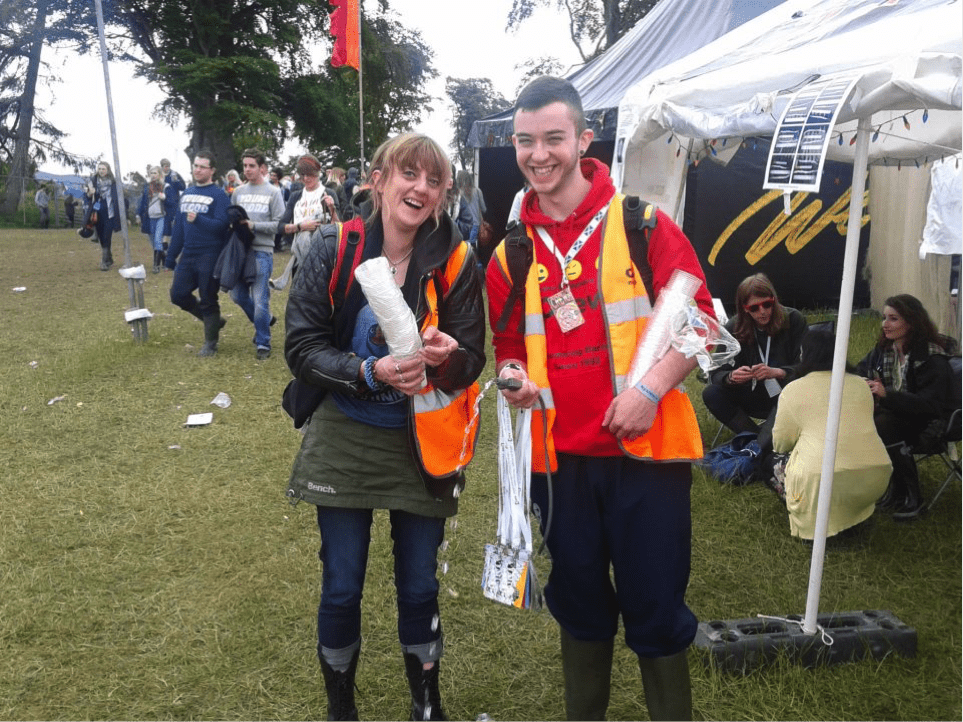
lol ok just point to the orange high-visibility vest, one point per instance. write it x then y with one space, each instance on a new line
442 424
674 435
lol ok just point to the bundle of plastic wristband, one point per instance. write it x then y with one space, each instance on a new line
509 575
388 305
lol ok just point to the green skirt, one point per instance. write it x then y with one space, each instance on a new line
349 464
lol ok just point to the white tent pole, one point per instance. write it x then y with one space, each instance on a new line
839 371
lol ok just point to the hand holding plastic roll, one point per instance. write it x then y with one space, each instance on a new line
670 309
388 305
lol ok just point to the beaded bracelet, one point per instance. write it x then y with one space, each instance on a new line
369 377
647 393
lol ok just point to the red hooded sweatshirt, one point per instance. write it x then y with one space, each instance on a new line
578 361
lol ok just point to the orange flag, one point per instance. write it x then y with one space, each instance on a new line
345 31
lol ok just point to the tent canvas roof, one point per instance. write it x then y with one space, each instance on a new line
907 54
671 30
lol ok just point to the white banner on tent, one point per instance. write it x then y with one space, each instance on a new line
798 152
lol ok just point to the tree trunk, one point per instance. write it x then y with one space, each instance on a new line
613 22
21 153
212 139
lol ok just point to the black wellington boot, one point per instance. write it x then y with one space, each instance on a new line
668 690
587 668
423 684
212 330
340 689
912 501
157 262
106 260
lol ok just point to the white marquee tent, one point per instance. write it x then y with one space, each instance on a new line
905 109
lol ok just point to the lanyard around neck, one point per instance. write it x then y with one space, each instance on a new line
579 242
765 356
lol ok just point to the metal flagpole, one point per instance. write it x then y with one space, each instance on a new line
135 293
360 92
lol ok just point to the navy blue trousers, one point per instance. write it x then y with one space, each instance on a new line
195 272
620 541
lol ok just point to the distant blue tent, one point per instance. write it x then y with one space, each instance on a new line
74 184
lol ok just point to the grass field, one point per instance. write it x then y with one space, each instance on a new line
151 571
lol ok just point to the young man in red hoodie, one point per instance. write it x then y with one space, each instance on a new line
619 457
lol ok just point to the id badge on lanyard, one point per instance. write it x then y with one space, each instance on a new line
563 305
772 386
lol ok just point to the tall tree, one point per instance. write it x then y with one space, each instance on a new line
243 73
594 25
471 99
534 67
25 136
221 63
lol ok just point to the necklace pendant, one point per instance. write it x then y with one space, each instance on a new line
394 270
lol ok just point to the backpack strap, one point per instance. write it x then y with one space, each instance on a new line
640 219
350 241
518 256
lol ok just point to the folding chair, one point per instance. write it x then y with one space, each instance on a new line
945 447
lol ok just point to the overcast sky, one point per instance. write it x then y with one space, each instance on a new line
468 38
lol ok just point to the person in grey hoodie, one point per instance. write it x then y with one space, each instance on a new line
264 206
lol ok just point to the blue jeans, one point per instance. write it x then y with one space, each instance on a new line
345 537
156 226
255 300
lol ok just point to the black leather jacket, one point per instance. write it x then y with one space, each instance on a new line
784 352
928 382
315 349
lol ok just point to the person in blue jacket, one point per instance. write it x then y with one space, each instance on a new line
104 197
200 232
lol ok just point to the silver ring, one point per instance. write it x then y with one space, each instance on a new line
402 379
398 369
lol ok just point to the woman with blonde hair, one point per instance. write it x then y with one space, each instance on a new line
232 181
155 201
378 439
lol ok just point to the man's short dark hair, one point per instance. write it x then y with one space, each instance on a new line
547 89
207 155
256 154
278 171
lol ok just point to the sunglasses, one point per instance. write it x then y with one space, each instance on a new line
765 305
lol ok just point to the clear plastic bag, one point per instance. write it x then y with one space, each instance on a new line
677 322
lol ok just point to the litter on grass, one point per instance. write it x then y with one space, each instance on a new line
199 419
222 400
55 399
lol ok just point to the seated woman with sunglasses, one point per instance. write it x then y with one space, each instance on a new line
770 335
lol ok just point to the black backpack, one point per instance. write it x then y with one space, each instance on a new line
639 218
